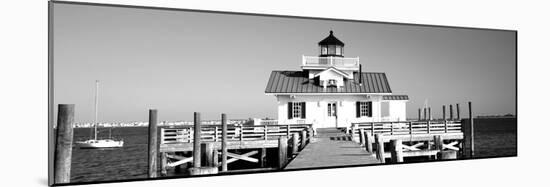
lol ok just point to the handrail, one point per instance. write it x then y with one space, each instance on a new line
212 133
408 127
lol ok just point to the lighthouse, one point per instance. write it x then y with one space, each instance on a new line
332 91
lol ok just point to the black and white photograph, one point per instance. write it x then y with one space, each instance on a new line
150 93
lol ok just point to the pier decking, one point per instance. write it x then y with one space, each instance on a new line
332 147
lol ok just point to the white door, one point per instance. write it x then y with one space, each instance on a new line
332 115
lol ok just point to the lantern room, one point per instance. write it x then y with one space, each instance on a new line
331 46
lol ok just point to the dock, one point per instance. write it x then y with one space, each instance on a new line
208 149
332 147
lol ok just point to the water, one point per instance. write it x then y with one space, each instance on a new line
493 137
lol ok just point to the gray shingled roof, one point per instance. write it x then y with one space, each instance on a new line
298 82
395 97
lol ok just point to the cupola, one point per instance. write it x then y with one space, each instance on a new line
331 46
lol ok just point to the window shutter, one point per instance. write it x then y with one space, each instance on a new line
358 109
370 109
289 110
303 110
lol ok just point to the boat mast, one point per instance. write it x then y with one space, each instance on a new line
96 103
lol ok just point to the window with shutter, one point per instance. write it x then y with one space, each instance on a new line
289 110
364 108
296 110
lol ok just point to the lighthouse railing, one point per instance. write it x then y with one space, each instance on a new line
330 61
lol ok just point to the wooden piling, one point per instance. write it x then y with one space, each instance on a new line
163 164
471 116
429 113
444 117
368 141
197 140
304 139
63 143
419 114
397 151
379 147
207 149
224 142
457 112
263 156
438 143
425 114
283 147
362 137
295 139
215 158
451 112
153 145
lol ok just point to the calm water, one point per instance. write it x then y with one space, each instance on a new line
493 137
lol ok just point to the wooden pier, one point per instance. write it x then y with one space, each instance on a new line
224 144
330 148
208 149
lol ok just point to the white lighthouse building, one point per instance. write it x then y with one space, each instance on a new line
333 91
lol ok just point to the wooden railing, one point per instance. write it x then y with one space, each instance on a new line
213 133
408 127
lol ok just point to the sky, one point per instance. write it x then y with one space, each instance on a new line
180 62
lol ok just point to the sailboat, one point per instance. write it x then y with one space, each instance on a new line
95 142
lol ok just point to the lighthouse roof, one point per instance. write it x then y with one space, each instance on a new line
331 40
284 82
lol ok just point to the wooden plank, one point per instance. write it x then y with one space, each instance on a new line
180 162
246 157
415 153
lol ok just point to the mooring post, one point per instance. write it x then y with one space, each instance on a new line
438 144
207 149
457 112
471 116
283 147
197 140
163 163
425 114
429 113
263 155
303 138
362 137
397 151
368 141
379 147
444 117
451 112
295 139
419 114
224 142
215 158
63 143
153 145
